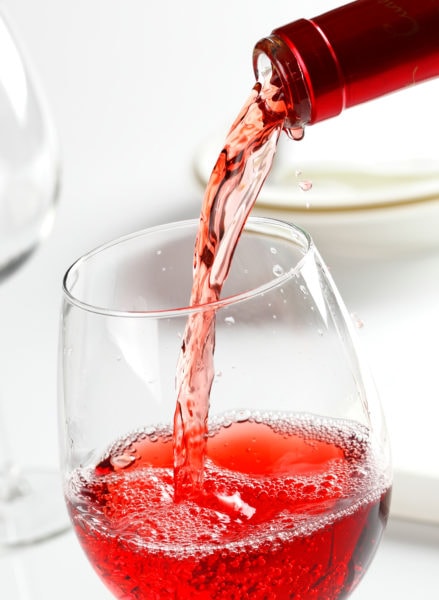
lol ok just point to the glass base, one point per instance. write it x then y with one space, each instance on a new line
36 511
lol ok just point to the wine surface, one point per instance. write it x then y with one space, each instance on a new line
291 508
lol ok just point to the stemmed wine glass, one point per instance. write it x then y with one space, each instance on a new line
29 182
297 476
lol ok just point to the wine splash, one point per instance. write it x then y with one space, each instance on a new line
236 180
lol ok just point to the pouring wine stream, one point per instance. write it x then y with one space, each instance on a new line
236 180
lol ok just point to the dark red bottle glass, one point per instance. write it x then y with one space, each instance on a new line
352 54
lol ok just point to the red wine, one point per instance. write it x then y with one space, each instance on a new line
237 177
290 508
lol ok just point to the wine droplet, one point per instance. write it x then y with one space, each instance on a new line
295 134
359 324
305 185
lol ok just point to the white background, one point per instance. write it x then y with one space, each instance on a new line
134 88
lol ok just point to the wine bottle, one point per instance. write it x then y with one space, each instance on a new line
350 55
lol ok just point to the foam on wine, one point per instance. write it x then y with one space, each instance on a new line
318 505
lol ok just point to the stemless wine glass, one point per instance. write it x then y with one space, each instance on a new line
297 472
31 505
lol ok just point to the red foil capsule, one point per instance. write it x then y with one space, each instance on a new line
352 54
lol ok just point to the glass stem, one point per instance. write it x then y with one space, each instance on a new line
11 482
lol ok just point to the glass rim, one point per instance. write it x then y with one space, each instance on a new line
254 224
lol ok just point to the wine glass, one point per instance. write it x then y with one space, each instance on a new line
297 475
31 505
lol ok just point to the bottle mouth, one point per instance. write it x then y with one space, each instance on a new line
273 60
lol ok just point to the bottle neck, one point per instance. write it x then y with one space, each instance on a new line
350 55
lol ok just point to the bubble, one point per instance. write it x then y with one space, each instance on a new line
278 270
273 250
303 289
282 495
158 252
229 320
242 415
360 473
122 461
